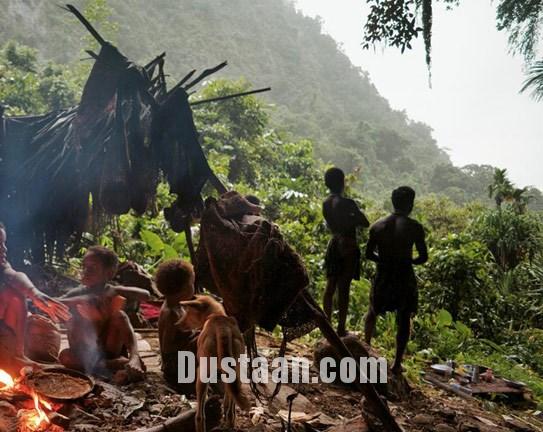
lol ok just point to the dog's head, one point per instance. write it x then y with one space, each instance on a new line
197 311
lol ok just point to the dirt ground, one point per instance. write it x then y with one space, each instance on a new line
317 407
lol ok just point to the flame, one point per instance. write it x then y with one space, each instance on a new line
7 381
33 420
41 416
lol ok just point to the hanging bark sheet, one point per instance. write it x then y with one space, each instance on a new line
244 259
102 157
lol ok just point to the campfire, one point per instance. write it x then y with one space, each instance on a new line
32 412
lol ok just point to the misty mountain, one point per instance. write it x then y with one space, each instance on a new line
317 92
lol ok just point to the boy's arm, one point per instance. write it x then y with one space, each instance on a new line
134 365
420 245
371 248
20 281
358 216
131 293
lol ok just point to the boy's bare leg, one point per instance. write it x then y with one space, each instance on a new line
403 320
343 288
120 335
328 297
369 325
13 313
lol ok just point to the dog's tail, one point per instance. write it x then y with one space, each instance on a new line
225 348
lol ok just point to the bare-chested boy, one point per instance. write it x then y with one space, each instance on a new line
175 280
15 288
342 261
394 289
100 335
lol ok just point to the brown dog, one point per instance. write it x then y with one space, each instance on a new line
220 337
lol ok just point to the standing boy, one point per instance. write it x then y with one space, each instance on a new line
342 260
175 280
390 245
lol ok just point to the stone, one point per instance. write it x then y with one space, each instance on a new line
442 427
423 419
156 409
280 402
356 424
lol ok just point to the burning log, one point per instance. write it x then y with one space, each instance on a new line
36 414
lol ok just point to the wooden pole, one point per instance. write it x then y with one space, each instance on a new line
205 74
221 98
88 25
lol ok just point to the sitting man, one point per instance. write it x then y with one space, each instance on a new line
15 287
175 280
100 335
394 289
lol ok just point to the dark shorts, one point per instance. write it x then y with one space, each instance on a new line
342 257
394 289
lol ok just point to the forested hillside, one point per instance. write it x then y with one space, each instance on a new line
317 93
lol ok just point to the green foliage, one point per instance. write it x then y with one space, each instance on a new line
511 237
457 278
534 81
522 20
439 331
398 23
27 87
441 216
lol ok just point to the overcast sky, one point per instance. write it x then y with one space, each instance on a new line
474 105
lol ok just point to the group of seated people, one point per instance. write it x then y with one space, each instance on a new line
101 338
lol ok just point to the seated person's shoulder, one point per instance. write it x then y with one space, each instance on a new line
12 275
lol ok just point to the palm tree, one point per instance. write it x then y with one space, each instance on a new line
519 200
534 82
501 188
